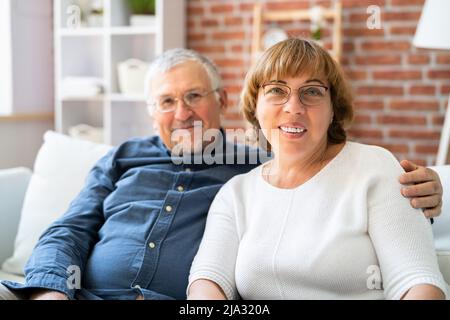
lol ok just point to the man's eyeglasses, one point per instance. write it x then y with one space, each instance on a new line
192 99
309 95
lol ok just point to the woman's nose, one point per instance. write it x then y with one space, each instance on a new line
294 105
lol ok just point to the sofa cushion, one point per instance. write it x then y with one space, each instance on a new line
60 169
441 226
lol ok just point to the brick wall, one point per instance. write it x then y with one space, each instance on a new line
401 91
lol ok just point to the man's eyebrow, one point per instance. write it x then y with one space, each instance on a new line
189 90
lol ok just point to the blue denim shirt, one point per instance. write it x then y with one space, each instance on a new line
134 228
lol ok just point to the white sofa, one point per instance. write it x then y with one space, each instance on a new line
30 201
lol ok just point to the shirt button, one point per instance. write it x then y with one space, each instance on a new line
168 208
152 245
180 188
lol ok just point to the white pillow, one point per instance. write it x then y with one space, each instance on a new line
60 170
441 226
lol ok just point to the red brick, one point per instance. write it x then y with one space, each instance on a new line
362 32
237 48
445 89
208 48
439 74
395 148
232 21
422 90
238 35
403 30
287 5
191 11
210 23
233 89
438 120
443 59
369 105
397 75
426 149
222 8
356 75
360 133
413 105
403 16
246 6
418 59
420 135
386 46
196 36
362 119
376 60
380 90
348 47
229 62
234 116
401 120
359 3
407 2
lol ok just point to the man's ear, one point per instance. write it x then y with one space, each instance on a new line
223 100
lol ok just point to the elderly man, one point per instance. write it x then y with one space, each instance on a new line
135 227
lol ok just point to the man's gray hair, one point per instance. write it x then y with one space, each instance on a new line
173 57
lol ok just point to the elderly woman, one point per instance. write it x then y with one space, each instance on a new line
324 219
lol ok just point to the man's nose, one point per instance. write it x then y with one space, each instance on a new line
294 105
182 111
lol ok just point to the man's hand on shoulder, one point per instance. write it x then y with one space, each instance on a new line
424 188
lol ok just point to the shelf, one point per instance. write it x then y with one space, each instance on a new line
27 117
81 32
126 97
128 30
95 50
81 99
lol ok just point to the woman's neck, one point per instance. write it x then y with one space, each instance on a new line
287 172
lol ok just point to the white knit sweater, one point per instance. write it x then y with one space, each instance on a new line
328 238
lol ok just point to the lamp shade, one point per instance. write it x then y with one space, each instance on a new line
433 30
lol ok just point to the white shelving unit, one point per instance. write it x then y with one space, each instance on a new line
96 51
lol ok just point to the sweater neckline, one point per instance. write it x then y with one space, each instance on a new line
321 172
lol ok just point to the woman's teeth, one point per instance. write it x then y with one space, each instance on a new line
293 130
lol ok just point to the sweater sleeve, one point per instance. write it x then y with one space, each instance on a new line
216 256
401 235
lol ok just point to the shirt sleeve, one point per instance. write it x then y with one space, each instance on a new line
216 257
401 235
64 247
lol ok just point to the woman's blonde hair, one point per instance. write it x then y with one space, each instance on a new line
292 58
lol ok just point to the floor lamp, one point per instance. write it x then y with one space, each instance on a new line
433 32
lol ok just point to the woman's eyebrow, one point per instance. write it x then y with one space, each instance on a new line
314 80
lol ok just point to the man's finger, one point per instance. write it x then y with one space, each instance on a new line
426 202
408 166
432 212
423 189
417 176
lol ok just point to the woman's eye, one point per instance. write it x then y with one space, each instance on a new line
276 91
314 92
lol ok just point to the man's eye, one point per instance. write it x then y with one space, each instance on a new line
193 97
275 91
167 102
